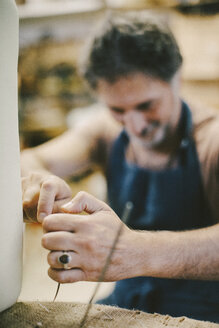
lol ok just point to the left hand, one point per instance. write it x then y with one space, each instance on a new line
43 194
88 239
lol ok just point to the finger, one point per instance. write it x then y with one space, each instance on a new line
59 241
85 202
57 206
62 222
47 196
53 260
30 196
66 276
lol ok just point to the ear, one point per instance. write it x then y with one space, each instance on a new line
177 80
179 74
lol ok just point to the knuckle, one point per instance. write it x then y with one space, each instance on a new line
34 176
82 194
54 180
47 222
48 185
51 259
51 180
90 244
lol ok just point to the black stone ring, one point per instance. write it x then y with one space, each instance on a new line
64 259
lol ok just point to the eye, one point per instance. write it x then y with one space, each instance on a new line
144 106
117 110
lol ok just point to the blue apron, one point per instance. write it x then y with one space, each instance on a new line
171 199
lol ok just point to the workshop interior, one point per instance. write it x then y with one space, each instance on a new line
46 97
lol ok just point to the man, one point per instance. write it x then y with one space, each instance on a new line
165 161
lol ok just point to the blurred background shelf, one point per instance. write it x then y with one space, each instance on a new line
39 9
51 48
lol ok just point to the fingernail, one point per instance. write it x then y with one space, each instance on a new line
26 201
67 205
41 216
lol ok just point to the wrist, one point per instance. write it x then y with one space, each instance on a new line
149 253
139 253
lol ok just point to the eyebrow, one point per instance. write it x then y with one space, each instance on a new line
141 106
117 109
144 105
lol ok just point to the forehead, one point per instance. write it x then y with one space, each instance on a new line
131 89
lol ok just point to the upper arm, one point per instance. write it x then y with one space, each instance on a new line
208 150
67 154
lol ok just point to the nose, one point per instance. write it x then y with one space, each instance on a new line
135 123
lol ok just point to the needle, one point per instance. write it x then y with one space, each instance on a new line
57 290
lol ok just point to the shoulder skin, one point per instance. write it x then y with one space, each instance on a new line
206 136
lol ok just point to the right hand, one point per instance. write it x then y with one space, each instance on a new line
89 238
43 194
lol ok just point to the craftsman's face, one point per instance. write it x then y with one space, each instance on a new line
147 107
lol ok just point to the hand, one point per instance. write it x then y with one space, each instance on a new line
88 239
43 194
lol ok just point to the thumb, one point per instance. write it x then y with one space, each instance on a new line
46 202
85 202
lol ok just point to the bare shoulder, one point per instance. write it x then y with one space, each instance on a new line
206 136
206 127
202 114
206 133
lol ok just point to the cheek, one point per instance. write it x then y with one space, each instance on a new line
152 115
167 106
118 117
160 113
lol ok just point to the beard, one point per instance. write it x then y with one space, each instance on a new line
151 137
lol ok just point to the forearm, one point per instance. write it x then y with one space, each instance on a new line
30 162
163 254
188 254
